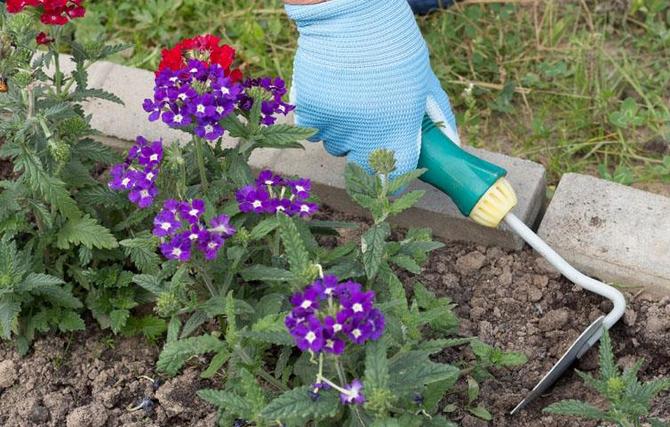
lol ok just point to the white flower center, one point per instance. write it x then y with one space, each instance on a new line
280 208
299 188
193 236
166 226
178 118
257 204
304 208
153 157
150 176
306 304
193 212
219 109
357 308
356 333
200 108
330 343
212 245
125 182
310 337
176 252
144 193
337 327
209 129
182 97
225 90
194 70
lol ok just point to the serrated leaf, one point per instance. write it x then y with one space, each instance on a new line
85 231
270 329
407 263
149 282
297 405
297 255
473 390
413 370
510 359
576 408
142 252
85 94
403 181
608 367
71 321
229 402
217 362
376 365
151 327
358 181
176 353
97 152
9 311
386 422
284 136
406 201
481 412
118 319
263 228
173 329
373 247
264 273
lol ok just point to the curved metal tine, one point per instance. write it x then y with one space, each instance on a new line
576 350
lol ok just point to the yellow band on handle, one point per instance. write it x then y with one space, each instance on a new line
494 204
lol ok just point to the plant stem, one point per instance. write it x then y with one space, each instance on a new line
207 279
58 81
259 371
200 158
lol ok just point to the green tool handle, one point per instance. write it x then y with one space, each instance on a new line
462 176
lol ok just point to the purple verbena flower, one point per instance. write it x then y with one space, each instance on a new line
354 393
221 224
178 248
274 194
165 224
137 174
308 335
192 212
274 105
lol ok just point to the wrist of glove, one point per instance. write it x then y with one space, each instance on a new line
362 77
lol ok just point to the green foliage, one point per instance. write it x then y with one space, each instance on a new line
629 400
175 354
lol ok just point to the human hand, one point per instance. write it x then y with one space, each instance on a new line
362 77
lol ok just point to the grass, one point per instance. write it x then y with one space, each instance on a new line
581 86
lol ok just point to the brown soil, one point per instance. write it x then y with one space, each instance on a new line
513 300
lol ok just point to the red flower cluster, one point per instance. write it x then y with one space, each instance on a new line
54 12
206 48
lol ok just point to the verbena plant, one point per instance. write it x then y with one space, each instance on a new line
300 331
629 400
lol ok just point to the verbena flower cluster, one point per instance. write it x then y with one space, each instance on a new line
328 314
181 227
206 48
196 88
137 174
276 89
273 193
53 12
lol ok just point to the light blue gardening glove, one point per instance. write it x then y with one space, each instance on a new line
362 77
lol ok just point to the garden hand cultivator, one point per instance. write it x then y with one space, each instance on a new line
482 193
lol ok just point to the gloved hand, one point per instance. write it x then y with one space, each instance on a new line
362 77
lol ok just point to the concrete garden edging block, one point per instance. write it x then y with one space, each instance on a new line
435 210
613 232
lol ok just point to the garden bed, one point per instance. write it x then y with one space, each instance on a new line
510 299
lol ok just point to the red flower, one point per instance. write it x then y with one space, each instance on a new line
54 12
43 38
205 47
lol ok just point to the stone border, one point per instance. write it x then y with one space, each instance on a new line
563 226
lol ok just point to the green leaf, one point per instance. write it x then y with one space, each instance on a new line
404 261
373 247
576 408
403 181
118 319
176 353
85 231
510 359
481 412
263 228
608 368
149 282
406 201
284 136
83 95
228 402
173 329
297 405
151 327
270 329
71 321
473 390
234 126
359 182
298 258
386 422
142 251
9 311
264 273
376 365
413 370
217 362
